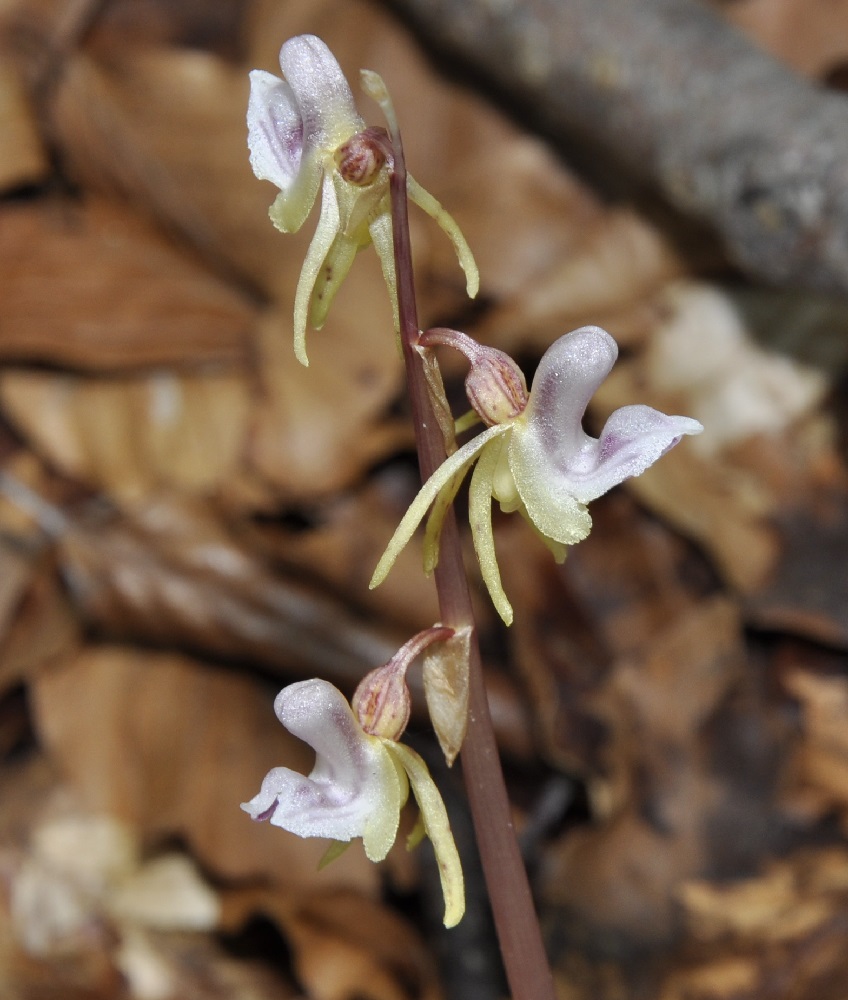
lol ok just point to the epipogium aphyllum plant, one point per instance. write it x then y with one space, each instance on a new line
533 457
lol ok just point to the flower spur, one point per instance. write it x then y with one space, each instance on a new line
305 133
535 457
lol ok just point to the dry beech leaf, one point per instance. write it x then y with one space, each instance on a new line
122 130
345 945
23 159
809 35
316 430
785 925
821 779
128 297
610 276
656 795
200 431
615 594
173 746
44 626
343 547
171 571
131 434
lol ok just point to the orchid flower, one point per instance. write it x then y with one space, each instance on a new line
305 133
361 778
535 456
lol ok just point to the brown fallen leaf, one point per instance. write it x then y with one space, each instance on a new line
610 276
132 434
628 583
819 785
316 430
661 786
808 35
172 746
129 298
172 572
23 158
345 945
123 132
775 934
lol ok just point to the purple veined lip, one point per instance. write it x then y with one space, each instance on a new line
267 813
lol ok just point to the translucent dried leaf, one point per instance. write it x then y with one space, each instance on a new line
446 689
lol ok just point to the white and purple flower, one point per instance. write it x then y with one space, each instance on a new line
357 787
539 460
305 133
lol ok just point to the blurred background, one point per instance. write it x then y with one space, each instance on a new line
189 518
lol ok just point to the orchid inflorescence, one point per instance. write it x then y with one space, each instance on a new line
532 457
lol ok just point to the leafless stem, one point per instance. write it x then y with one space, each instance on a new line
517 926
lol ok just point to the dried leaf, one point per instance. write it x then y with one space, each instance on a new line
128 298
656 797
346 945
811 37
609 277
129 435
185 744
123 131
172 572
23 159
317 429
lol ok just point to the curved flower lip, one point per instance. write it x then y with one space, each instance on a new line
557 467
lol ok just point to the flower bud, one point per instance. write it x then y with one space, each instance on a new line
361 158
382 703
495 387
495 384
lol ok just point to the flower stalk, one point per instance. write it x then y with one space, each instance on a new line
519 934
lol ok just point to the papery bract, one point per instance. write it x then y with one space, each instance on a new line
305 133
356 788
541 462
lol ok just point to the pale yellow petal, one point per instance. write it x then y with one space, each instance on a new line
441 478
382 825
325 234
424 200
438 830
480 517
550 505
436 520
381 236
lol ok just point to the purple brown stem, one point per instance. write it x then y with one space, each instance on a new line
516 922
